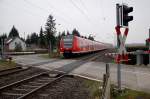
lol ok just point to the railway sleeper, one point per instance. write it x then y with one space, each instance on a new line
46 79
43 95
16 91
21 89
12 94
41 80
36 83
30 86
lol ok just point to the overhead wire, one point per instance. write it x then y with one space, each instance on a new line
104 18
86 10
82 3
59 12
28 12
34 5
45 10
81 11
16 7
61 18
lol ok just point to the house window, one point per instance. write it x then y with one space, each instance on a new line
15 43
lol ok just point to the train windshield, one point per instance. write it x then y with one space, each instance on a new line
68 41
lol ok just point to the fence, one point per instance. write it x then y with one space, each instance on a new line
106 84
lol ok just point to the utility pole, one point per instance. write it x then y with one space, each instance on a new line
50 48
149 46
2 48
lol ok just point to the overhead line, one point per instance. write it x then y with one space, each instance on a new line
51 6
36 6
83 5
81 11
30 3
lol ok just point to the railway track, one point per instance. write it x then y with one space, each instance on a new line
28 86
12 70
10 77
90 56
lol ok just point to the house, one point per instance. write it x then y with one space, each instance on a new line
15 44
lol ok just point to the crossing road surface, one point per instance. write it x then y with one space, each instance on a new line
136 77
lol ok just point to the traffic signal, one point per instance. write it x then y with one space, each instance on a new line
125 11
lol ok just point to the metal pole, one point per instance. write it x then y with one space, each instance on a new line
117 15
107 69
118 66
118 23
119 75
139 57
149 46
50 49
2 48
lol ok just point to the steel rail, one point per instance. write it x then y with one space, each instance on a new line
40 87
20 81
11 71
91 57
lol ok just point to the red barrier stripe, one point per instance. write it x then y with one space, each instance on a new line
148 40
126 32
118 30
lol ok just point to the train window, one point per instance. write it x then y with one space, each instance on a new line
68 40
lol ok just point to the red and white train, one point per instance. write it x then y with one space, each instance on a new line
71 44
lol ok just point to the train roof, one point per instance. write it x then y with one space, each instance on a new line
86 39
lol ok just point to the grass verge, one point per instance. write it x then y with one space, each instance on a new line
93 87
95 91
6 65
131 94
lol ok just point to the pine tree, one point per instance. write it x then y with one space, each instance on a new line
42 39
58 40
75 32
14 32
28 40
63 33
68 33
91 38
3 37
34 38
50 33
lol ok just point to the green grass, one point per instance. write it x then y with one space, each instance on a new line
132 94
94 88
6 65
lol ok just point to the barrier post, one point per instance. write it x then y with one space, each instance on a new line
139 57
149 47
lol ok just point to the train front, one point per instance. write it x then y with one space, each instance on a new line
66 45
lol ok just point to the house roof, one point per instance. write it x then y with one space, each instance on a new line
9 40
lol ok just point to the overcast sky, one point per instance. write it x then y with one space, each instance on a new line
96 17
